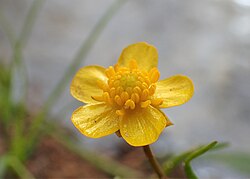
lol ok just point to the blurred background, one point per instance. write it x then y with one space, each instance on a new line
208 40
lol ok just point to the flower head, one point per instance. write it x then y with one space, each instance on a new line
127 97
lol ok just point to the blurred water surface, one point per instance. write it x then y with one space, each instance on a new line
208 40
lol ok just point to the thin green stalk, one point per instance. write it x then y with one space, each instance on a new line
82 53
80 56
8 30
154 163
174 161
17 60
19 73
3 165
19 168
29 21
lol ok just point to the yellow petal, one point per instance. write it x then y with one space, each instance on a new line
174 91
143 126
96 120
84 84
145 55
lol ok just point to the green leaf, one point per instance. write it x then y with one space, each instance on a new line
3 166
200 151
173 161
19 167
239 161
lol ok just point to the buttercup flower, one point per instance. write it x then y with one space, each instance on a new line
127 97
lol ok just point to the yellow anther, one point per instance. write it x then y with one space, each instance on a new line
154 75
129 90
112 92
151 89
144 85
135 97
97 98
119 90
156 102
129 104
106 97
141 79
129 87
116 83
110 83
139 84
120 112
102 85
132 64
116 67
144 95
137 90
145 103
124 96
110 71
117 77
118 100
147 80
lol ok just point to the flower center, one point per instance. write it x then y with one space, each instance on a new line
129 88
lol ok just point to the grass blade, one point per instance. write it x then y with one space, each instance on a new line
200 151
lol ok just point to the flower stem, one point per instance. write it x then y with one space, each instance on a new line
154 163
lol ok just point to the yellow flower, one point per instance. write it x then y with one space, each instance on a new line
127 97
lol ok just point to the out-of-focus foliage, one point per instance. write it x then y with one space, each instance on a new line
186 157
239 161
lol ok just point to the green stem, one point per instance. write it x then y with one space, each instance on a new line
17 63
8 30
154 163
18 167
82 53
29 21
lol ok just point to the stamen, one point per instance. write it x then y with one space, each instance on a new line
154 75
147 80
139 84
156 102
129 87
112 92
144 85
116 83
144 95
152 89
145 103
129 90
106 97
119 90
110 71
118 100
102 85
129 104
135 97
124 96
137 90
116 67
120 112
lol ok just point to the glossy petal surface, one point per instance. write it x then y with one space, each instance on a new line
174 91
95 120
84 84
145 55
143 126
